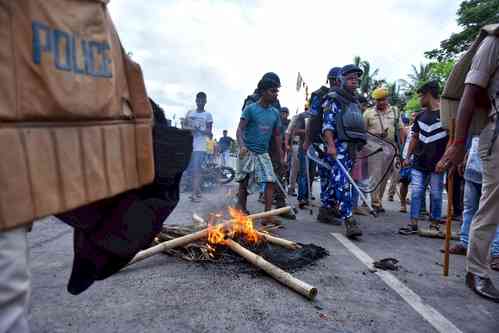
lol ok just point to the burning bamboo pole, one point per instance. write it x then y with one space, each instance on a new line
283 277
184 240
279 241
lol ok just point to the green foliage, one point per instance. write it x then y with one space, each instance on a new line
440 70
412 105
471 16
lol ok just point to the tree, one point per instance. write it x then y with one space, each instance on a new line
396 97
440 70
412 105
419 75
471 16
367 81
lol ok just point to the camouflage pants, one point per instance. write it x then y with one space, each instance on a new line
336 190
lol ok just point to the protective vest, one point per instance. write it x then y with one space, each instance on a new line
75 121
350 124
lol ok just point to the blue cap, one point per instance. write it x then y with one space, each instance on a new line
334 73
348 69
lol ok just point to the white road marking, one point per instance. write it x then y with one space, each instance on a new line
432 316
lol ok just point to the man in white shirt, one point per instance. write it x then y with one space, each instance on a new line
200 122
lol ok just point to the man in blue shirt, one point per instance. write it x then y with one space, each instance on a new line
224 145
259 124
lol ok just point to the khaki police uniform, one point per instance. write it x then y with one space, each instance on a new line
484 73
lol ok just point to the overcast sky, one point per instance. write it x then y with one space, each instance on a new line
224 47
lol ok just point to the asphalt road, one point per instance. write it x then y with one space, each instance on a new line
165 294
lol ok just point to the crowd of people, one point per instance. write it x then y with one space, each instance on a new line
336 119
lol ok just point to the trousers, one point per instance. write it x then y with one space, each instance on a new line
336 191
472 193
485 221
14 281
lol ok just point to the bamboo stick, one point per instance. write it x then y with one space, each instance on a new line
280 241
283 277
198 219
184 240
448 225
450 198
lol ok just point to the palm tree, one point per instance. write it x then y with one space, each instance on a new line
367 81
419 75
397 97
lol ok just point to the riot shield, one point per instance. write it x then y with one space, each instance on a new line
373 163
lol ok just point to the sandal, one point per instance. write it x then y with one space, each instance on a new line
387 264
434 225
457 249
494 263
411 229
195 199
403 209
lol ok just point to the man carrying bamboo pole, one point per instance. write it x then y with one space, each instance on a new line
260 124
481 92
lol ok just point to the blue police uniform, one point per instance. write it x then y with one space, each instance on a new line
336 190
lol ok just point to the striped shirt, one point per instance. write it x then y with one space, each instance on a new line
432 140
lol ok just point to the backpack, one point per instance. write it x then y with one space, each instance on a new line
315 122
350 125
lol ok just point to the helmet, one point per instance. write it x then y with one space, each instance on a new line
348 69
334 73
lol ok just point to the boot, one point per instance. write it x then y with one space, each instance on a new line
329 215
352 228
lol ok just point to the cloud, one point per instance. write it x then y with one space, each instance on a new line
223 47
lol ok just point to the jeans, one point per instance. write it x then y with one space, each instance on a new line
418 193
225 155
302 176
472 193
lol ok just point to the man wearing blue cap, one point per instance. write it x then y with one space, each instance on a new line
342 103
313 131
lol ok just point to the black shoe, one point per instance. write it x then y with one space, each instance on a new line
328 215
482 286
352 228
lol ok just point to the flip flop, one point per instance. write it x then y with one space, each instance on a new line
409 230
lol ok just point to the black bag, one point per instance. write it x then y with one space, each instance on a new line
108 233
172 152
315 127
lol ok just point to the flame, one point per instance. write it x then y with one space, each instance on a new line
241 225
216 234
